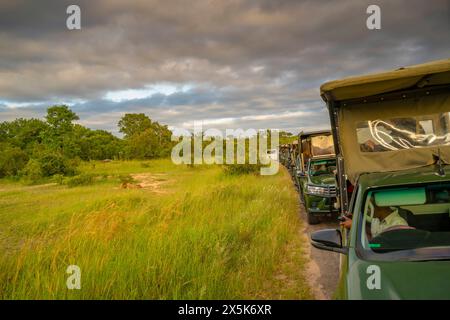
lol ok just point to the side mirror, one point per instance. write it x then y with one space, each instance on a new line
328 239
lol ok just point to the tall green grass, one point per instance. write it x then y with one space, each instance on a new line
202 235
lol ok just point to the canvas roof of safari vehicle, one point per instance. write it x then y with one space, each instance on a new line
392 130
422 75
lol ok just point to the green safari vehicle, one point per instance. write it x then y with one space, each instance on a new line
315 174
293 152
284 154
392 136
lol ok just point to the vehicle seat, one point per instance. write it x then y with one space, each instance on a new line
428 222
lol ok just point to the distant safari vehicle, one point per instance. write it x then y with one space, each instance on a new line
392 135
288 153
315 174
292 159
283 154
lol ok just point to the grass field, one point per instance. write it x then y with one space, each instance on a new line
189 233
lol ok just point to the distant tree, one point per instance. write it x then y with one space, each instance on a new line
61 118
96 144
286 137
12 160
152 143
60 133
33 148
22 133
3 131
134 123
144 138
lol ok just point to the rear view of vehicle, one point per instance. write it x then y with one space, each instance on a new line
315 173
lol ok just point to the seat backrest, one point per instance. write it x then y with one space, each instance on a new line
429 222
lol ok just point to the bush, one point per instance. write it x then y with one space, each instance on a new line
58 178
32 171
55 163
80 180
12 160
48 165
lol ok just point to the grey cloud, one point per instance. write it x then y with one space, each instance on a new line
244 57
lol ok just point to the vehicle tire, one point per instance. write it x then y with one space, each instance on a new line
312 219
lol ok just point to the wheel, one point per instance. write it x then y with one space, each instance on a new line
312 219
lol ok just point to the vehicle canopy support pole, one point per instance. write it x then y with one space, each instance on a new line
341 176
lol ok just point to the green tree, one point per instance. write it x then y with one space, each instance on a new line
286 137
96 144
134 123
61 118
22 133
60 133
144 138
12 160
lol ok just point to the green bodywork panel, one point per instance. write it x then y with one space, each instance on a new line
398 279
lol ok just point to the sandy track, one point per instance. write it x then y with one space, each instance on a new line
323 268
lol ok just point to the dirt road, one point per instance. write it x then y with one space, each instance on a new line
323 269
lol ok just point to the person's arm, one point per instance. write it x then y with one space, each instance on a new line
346 223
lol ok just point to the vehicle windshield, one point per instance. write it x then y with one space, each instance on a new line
319 167
406 218
378 135
322 145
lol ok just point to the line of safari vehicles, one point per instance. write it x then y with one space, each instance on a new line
384 170
312 164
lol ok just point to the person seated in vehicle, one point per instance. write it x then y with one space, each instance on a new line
319 169
383 218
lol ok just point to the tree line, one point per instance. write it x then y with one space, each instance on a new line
34 148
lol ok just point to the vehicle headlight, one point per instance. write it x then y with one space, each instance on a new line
320 191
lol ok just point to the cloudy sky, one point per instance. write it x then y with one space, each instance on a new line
229 63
